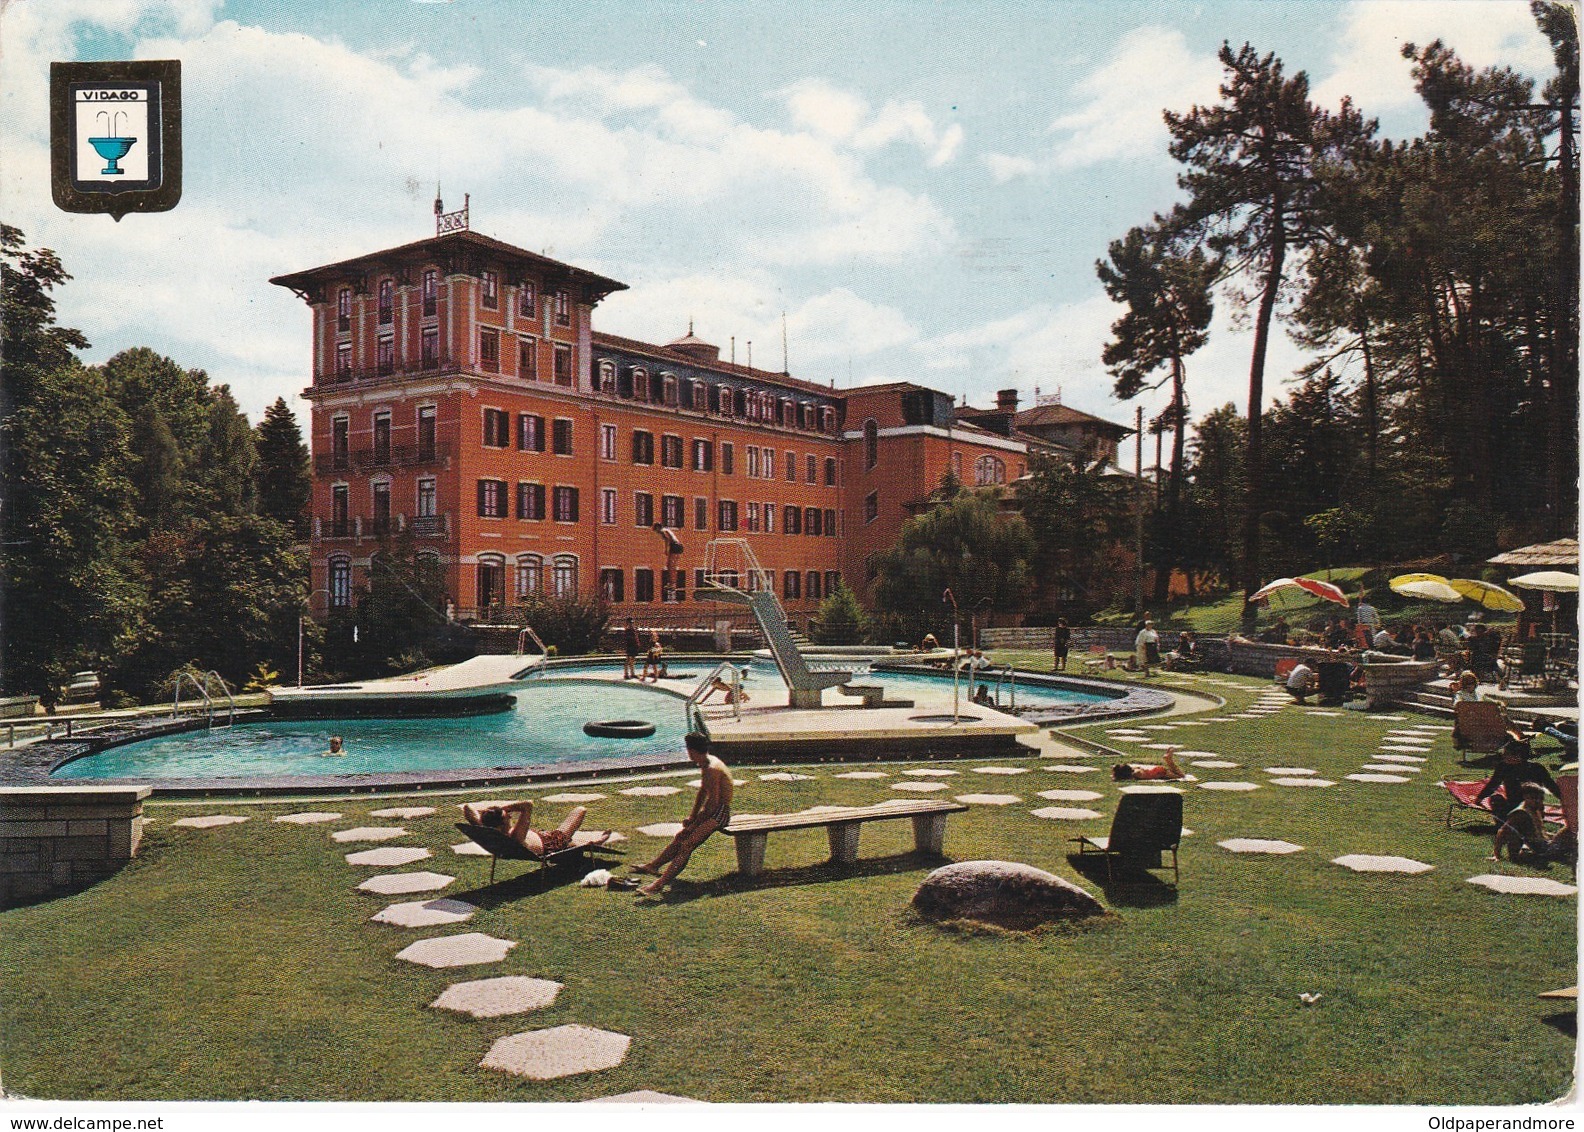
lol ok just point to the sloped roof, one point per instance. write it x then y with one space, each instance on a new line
1561 552
1048 415
669 353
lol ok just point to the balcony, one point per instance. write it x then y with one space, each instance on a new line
429 526
372 527
377 374
393 456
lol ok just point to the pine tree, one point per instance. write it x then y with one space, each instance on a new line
285 481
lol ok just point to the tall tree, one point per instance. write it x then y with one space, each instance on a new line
285 481
34 345
1078 517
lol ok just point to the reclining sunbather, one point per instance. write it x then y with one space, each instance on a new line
1146 772
538 841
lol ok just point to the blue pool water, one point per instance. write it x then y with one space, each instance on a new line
545 726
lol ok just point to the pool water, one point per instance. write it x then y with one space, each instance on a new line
545 726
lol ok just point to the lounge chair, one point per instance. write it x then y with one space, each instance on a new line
1096 657
1145 826
1479 726
1464 794
501 847
1524 666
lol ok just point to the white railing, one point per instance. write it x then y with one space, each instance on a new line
225 690
524 636
704 686
202 691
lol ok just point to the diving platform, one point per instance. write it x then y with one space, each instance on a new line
476 686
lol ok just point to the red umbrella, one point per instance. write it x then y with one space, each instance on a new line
1296 592
1324 590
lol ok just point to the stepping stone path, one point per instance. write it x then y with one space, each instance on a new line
389 856
1524 886
1064 813
989 799
785 776
544 1055
1157 727
1256 845
1071 795
425 913
389 884
918 787
1288 770
643 1096
1199 755
862 774
1302 782
492 998
1213 764
403 812
1068 768
1377 777
209 821
929 772
1149 788
1160 746
1405 759
457 950
651 791
486 804
579 798
1366 863
311 818
369 833
661 829
1001 770
1314 712
589 836
469 849
1392 768
1239 787
1398 749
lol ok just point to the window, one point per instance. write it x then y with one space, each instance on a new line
607 378
382 438
563 309
671 513
340 583
769 517
344 309
786 413
340 525
561 436
811 469
563 365
382 511
871 439
489 350
643 584
492 499
426 499
564 575
668 389
608 505
871 507
431 291
769 463
426 433
753 516
703 456
701 514
490 295
643 509
724 393
673 585
530 576
491 578
607 442
728 516
791 467
566 505
956 466
830 471
527 359
670 451
525 299
832 581
830 522
339 454
753 462
727 451
640 379
429 347
642 447
813 521
813 585
387 301
344 362
792 585
385 355
530 433
791 521
497 428
610 585
531 501
700 399
989 470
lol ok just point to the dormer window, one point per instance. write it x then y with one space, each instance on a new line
641 384
491 291
607 378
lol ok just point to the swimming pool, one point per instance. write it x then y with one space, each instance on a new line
545 726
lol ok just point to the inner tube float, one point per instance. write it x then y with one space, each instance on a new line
619 728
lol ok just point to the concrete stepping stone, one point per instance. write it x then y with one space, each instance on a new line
457 950
785 776
1390 718
1161 746
1071 795
1258 845
544 1055
918 787
661 829
1302 782
488 803
1124 731
1213 764
1001 770
862 774
389 856
1236 787
697 782
312 817
1524 886
575 798
492 998
425 913
1149 788
643 1096
1411 732
390 884
209 821
1198 754
589 836
1070 768
1369 863
1391 768
1323 713
651 791
1157 727
403 812
470 849
930 772
1289 771
369 833
1372 777
989 799
1435 727
1404 759
1402 749
1065 813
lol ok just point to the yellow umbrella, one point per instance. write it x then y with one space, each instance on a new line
1488 595
1432 587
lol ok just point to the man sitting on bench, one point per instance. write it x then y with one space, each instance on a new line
711 811
541 842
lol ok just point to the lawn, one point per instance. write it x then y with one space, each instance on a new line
239 962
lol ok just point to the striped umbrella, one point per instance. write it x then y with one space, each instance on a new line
1488 595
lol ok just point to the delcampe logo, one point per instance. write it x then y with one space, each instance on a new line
115 136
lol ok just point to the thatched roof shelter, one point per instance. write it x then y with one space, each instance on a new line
1563 553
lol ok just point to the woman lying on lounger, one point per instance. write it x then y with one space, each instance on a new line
537 841
1146 772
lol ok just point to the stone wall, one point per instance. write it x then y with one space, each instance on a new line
57 839
1113 638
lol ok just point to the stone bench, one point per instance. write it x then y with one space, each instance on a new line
752 831
57 839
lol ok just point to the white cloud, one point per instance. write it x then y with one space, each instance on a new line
842 117
1005 167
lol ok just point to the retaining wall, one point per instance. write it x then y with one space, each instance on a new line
57 839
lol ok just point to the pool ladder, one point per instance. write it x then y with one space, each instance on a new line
1006 677
694 713
203 691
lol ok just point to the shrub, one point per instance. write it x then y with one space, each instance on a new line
841 621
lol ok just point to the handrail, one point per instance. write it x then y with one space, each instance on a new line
704 685
202 691
226 691
526 634
1007 675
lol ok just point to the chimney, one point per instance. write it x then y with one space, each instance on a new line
1006 400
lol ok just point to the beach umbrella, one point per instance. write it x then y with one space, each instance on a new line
1554 580
1488 595
1323 590
1430 587
1295 593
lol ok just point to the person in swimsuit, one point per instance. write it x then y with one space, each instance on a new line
630 649
1149 772
536 841
711 811
654 662
336 749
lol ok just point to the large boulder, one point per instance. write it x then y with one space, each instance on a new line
1003 893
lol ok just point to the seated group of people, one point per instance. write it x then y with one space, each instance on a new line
1333 680
1516 791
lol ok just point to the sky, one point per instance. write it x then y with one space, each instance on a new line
920 190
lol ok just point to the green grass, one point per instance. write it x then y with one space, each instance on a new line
239 962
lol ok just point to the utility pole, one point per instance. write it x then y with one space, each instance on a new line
1138 508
